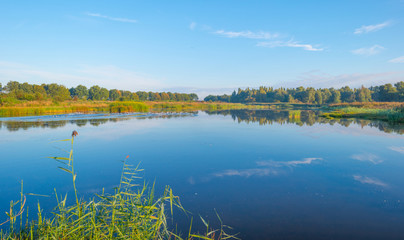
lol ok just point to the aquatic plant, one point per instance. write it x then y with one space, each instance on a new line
131 212
395 114
124 107
51 108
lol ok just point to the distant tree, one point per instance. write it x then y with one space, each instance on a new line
104 93
300 94
134 97
26 88
210 98
95 93
290 98
335 96
193 97
143 96
387 93
157 97
363 95
318 97
400 91
310 95
347 94
326 95
57 92
165 97
125 95
39 92
80 92
12 86
114 94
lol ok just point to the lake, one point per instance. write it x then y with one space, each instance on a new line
268 174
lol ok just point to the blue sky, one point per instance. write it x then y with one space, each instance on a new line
202 46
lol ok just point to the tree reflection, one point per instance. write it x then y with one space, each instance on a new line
97 121
302 118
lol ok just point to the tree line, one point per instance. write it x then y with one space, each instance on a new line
57 92
383 93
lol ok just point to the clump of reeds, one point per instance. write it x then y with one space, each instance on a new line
395 114
131 212
125 107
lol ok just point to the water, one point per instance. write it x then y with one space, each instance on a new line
268 174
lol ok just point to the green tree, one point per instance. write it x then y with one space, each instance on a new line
400 91
318 97
114 94
194 97
134 97
143 96
104 93
387 93
80 91
95 93
210 98
335 96
39 92
12 86
165 97
57 92
290 98
363 95
347 94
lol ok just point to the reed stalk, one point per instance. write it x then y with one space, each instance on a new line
131 212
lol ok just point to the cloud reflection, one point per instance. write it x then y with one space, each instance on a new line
305 161
269 168
397 149
367 157
246 172
368 180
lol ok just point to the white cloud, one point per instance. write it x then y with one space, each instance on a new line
267 36
368 180
375 49
397 149
290 43
117 19
247 34
372 28
367 157
192 26
397 60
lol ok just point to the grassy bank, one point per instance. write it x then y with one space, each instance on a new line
288 106
52 108
131 212
392 111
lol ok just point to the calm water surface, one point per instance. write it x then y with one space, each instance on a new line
269 174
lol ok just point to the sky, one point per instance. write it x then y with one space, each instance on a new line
206 47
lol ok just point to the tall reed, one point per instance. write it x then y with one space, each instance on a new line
131 212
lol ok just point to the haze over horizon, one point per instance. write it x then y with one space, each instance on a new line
206 47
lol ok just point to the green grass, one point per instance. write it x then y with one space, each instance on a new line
131 212
35 109
395 114
124 107
114 107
